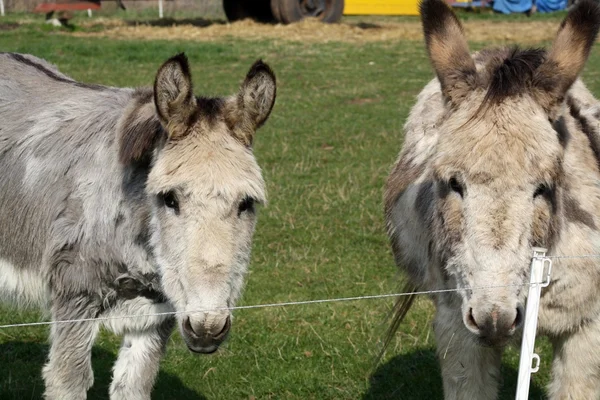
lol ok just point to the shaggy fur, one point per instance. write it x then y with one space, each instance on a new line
119 201
501 155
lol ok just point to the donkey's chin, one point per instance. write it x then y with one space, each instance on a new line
200 346
495 341
201 350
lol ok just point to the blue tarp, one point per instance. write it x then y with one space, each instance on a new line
550 5
474 3
520 6
512 6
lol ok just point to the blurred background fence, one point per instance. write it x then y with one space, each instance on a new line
204 8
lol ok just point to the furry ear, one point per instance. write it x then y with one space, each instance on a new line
254 102
569 52
174 95
448 49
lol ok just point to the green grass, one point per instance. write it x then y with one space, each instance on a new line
326 150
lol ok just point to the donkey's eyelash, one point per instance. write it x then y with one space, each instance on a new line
169 200
456 186
541 190
247 204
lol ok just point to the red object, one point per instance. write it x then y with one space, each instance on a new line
72 6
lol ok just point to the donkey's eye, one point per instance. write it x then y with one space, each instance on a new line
455 186
169 199
541 190
246 205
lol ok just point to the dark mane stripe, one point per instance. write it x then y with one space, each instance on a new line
52 74
511 74
210 108
586 127
140 133
560 126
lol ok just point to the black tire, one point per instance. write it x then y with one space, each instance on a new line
275 10
295 10
258 10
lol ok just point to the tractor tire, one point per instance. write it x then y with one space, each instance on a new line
258 10
295 10
275 10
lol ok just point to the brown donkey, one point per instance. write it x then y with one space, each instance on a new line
501 154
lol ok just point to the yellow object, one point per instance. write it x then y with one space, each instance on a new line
381 7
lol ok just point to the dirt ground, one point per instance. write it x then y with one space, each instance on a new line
530 32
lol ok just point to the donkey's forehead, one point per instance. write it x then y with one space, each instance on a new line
513 138
208 163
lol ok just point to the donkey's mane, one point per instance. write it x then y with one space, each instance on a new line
508 72
141 128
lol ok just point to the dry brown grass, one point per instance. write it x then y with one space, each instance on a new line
314 31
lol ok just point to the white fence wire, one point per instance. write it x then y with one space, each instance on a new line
540 278
258 306
294 303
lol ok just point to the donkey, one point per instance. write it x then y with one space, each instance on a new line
122 202
502 154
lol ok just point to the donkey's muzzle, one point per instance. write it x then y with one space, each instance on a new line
494 328
205 340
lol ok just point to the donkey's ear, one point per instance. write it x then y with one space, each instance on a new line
254 102
174 95
570 50
448 49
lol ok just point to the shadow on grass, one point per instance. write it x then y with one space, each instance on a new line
416 376
203 22
197 22
21 365
366 25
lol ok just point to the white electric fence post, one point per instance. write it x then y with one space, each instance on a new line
160 9
540 278
2 7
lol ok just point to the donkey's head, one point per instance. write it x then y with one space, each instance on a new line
498 166
203 185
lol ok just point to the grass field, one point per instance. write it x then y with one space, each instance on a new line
333 135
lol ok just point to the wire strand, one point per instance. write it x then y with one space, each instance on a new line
574 256
286 304
259 306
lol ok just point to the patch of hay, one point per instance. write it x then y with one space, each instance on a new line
314 31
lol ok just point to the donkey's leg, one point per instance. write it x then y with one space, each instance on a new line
137 366
144 342
68 373
468 370
576 365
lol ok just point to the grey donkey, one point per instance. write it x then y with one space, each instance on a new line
502 154
122 202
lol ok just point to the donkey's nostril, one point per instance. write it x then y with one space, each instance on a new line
494 325
519 318
225 329
471 319
214 333
187 327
